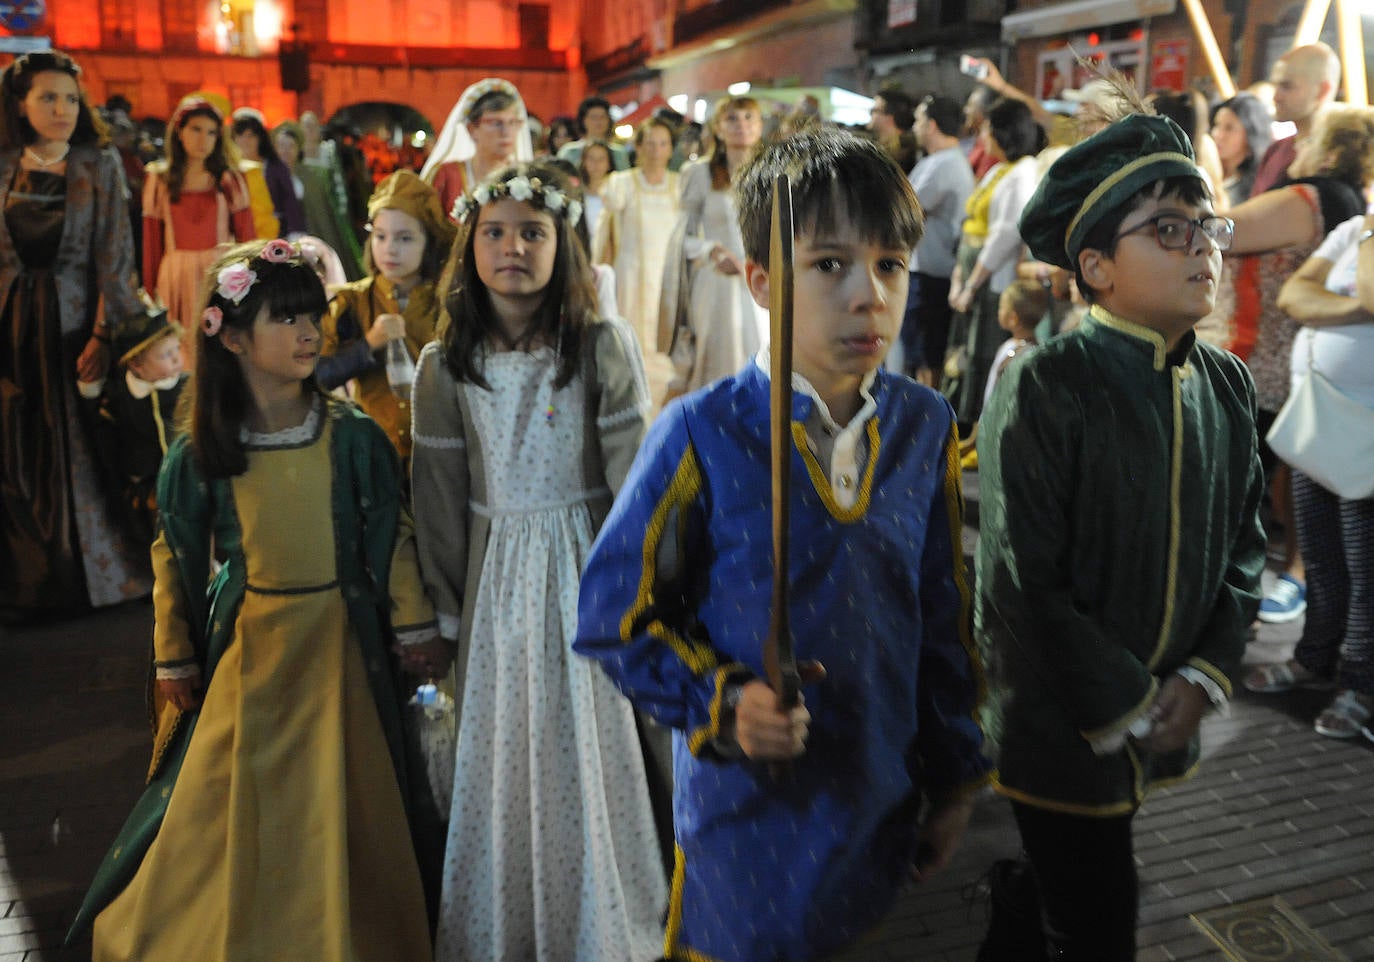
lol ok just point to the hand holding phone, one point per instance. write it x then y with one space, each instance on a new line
973 67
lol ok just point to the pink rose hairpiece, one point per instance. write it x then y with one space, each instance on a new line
278 251
210 320
235 281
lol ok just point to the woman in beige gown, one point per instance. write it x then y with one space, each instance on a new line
641 208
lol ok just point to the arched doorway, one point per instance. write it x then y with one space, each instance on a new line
391 136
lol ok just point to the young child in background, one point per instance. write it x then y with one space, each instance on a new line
410 237
1019 310
137 416
528 411
1120 549
274 821
596 165
675 596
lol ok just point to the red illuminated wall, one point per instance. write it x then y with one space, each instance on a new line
154 51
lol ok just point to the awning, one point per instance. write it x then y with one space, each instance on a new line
643 112
1080 15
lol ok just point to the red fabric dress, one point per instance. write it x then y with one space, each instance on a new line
182 239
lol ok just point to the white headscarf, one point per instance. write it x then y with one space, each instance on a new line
456 144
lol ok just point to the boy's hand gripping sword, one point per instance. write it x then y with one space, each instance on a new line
779 660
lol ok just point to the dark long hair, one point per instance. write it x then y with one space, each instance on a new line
582 164
569 303
567 125
1014 128
218 161
16 83
267 150
221 401
1258 124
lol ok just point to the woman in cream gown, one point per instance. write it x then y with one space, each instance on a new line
641 207
709 325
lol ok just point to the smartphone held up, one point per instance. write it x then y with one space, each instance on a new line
974 67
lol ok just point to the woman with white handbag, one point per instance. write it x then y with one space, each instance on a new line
1326 431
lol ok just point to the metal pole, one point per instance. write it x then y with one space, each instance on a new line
1310 25
1352 52
1203 28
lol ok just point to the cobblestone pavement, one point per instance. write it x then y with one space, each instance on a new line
1277 809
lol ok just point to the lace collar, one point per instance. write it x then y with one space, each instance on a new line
301 435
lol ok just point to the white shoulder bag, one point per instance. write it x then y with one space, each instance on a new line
1326 435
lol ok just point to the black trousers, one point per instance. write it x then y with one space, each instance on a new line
1089 890
925 324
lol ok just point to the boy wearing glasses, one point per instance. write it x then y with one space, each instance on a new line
1121 549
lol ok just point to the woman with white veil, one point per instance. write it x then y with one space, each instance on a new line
485 130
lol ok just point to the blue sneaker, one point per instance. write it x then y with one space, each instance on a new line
1284 602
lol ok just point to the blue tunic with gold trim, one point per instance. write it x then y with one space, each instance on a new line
1120 541
675 603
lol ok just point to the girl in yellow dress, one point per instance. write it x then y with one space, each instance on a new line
274 825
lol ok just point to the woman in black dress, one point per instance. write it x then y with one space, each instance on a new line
66 283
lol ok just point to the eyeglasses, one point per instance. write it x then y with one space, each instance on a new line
1174 232
496 123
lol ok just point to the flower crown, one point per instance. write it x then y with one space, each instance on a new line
235 281
530 190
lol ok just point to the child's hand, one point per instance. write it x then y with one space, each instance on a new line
387 327
764 731
94 361
183 693
940 835
427 659
1177 713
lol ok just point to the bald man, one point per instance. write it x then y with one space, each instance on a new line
1305 81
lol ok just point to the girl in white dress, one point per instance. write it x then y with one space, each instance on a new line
596 165
709 325
528 412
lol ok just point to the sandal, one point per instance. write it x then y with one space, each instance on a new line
1283 676
1345 716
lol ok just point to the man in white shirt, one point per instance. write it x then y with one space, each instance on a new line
943 181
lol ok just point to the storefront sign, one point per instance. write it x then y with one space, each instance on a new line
1169 65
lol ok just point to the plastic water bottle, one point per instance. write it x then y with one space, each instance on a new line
426 694
400 369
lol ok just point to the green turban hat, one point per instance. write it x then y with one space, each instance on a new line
1095 177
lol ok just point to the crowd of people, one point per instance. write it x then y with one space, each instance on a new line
502 424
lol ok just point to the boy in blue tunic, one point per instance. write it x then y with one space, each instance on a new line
885 753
